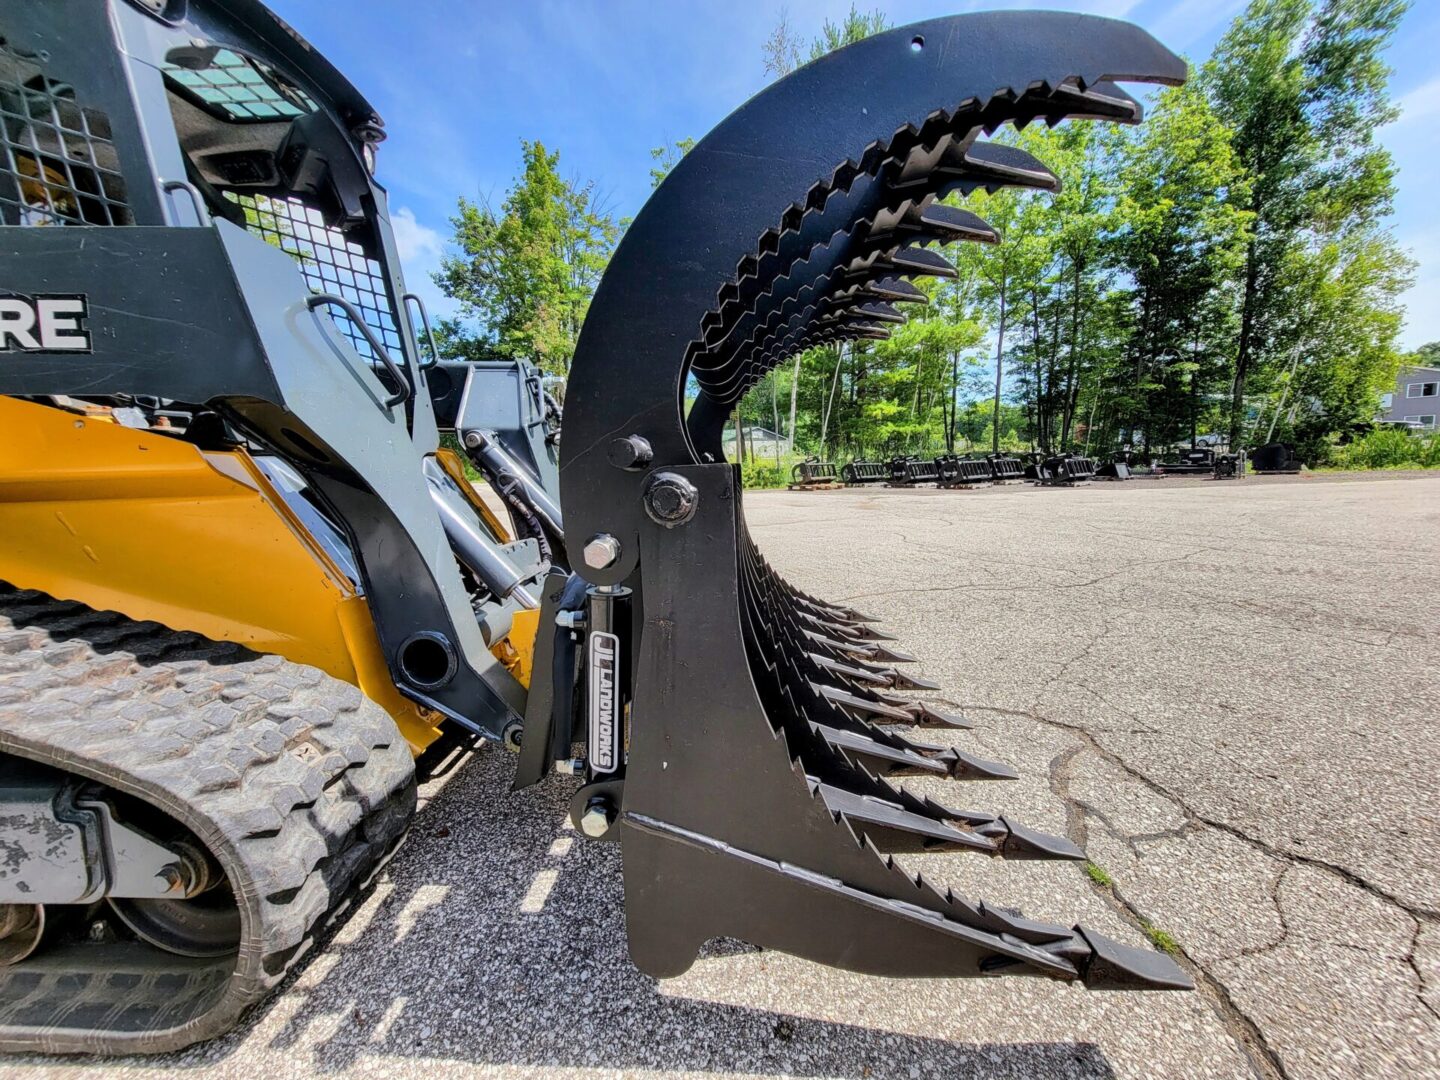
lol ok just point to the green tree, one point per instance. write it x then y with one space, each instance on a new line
527 272
1006 271
781 56
666 158
1180 234
1303 88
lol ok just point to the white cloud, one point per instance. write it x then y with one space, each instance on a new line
1423 101
1190 20
421 249
414 241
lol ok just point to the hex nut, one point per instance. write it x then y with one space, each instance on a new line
599 815
670 499
601 551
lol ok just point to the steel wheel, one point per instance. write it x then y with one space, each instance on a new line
208 925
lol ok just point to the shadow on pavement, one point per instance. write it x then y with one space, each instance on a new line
500 941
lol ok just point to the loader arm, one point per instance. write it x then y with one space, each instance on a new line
750 790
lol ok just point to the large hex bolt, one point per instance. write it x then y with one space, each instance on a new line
630 453
601 551
670 499
599 815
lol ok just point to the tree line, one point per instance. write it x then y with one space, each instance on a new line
1222 269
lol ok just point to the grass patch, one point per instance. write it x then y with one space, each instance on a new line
1161 939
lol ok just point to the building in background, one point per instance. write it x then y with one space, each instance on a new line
1415 399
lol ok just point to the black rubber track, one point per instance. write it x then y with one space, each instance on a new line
299 784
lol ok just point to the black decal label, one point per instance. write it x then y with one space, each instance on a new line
604 702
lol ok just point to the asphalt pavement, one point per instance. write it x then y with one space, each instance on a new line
1227 692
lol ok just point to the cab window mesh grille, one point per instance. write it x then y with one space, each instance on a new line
239 88
329 262
58 165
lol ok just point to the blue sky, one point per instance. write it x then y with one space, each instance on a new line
461 82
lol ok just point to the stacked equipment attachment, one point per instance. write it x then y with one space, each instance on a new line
1197 461
748 768
1230 466
865 472
1063 470
958 472
1004 468
812 472
1117 468
1275 457
912 471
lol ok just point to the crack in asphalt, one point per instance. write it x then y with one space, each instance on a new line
1264 1058
1007 587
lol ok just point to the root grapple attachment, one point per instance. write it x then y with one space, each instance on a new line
1197 461
962 472
1275 457
1064 470
813 472
1117 468
743 742
1004 469
865 472
912 471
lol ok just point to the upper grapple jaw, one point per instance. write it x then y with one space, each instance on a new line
745 759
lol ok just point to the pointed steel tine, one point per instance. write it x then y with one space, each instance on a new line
918 260
867 632
892 828
888 655
968 767
972 818
880 312
850 615
1009 921
959 224
1022 842
925 715
998 163
880 711
903 681
888 759
856 674
1113 966
1103 101
898 290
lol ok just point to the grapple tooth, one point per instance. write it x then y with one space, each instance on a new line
725 833
927 715
1013 924
1102 101
901 681
1021 842
959 224
886 654
884 758
898 290
877 709
968 767
892 828
880 312
850 671
1113 966
867 632
1000 164
922 261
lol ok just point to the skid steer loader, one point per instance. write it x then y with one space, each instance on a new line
245 585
